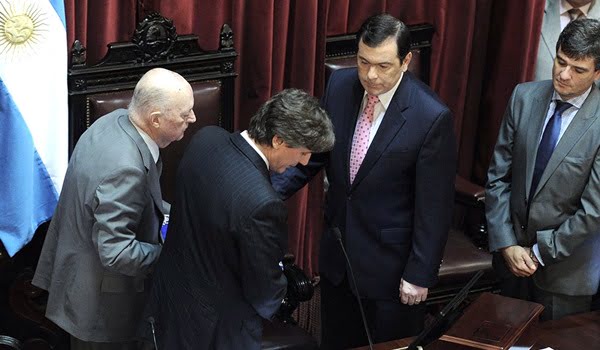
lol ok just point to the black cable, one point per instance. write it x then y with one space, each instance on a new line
338 236
151 320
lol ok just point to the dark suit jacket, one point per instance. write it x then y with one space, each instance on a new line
104 235
396 215
219 274
564 216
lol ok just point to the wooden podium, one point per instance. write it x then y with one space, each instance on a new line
493 322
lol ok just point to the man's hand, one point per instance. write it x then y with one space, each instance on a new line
519 260
411 294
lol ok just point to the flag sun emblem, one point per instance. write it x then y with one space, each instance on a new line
22 27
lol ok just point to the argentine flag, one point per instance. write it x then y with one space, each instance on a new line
33 115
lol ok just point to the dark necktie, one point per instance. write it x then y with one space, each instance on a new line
159 166
548 142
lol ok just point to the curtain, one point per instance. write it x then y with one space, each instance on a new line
515 35
481 49
97 23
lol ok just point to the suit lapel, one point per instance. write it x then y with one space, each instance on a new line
392 122
551 26
153 175
581 122
594 11
240 143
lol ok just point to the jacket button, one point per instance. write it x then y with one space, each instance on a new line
523 227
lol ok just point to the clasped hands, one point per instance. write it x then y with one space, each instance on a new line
520 260
412 294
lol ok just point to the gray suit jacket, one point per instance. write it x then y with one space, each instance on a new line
564 212
549 37
104 235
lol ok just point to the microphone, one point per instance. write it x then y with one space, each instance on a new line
444 313
151 320
338 236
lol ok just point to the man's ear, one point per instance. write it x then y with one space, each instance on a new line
155 119
597 74
276 142
406 61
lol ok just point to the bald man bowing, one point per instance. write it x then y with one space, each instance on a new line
104 235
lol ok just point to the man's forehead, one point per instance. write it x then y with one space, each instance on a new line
375 53
578 61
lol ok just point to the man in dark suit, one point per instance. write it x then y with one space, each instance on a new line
220 273
391 185
104 236
543 191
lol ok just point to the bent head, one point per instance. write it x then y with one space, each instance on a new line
289 127
383 53
162 105
577 62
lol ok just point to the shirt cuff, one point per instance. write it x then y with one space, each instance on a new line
536 251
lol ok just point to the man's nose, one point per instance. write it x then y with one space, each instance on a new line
304 159
565 73
372 73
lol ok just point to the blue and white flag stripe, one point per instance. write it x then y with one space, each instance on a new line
33 116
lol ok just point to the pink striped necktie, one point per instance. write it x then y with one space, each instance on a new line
574 13
360 142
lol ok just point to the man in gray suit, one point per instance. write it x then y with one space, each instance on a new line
543 190
557 14
104 236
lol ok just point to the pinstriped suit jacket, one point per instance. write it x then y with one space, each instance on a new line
219 273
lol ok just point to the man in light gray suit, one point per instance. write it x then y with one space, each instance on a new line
556 17
104 236
543 190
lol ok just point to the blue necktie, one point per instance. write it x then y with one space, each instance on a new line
548 142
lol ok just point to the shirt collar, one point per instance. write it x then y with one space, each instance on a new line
565 6
386 98
152 146
253 144
576 101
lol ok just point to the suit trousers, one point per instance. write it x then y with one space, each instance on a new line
78 344
555 305
342 325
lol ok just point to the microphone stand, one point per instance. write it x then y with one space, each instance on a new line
453 304
338 236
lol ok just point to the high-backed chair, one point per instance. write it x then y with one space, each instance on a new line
466 248
95 90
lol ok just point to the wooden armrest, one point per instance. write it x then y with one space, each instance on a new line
467 191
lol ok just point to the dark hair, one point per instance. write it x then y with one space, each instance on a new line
580 39
377 29
297 118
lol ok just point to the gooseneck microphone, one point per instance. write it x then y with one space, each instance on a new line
151 320
338 235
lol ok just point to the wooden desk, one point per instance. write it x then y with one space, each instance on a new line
573 332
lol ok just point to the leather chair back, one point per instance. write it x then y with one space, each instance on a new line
98 89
